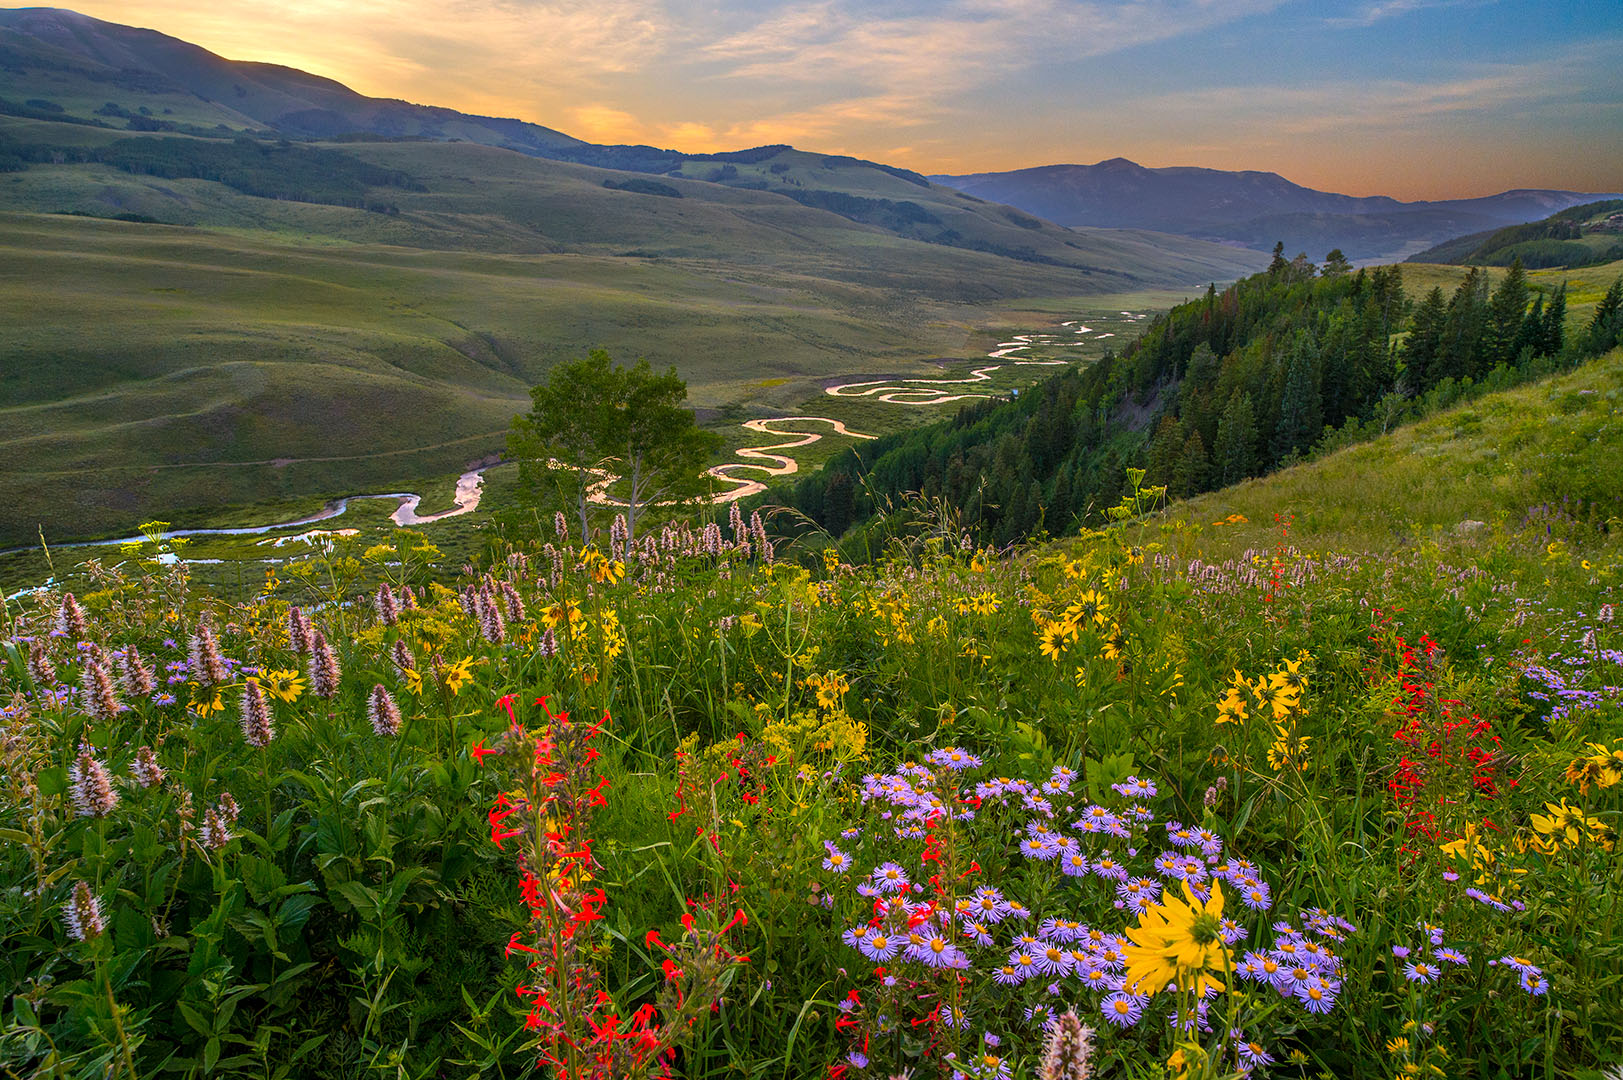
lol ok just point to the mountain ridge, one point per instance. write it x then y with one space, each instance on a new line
1251 207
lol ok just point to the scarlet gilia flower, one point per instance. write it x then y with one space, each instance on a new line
70 618
40 668
383 712
257 728
101 699
299 634
207 667
137 677
324 670
146 770
82 914
384 602
90 788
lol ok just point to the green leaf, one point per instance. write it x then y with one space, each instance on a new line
52 781
211 1054
194 1019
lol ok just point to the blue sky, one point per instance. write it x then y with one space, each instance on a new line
1412 98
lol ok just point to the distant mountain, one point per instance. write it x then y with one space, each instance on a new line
1256 209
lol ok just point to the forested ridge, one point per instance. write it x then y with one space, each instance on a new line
1233 385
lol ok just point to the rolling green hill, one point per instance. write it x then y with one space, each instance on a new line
1579 236
151 361
199 312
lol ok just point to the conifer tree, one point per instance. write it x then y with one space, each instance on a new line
1189 474
1555 322
1505 313
1459 350
1235 452
1300 415
1606 325
1425 337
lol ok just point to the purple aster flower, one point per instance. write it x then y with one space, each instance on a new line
1009 975
1400 951
955 758
1252 1055
1257 897
1052 959
1452 956
1420 972
1035 847
976 932
1122 1009
890 878
1535 984
1074 864
1024 962
879 946
1318 995
834 859
1134 788
1109 869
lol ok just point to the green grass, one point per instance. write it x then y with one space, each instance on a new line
741 706
1491 461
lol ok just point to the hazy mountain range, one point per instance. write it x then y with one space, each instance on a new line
1256 209
1250 209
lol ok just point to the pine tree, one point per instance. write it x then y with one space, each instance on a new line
1555 322
1235 452
1530 337
1189 474
1165 448
1300 416
1279 265
1459 351
1336 264
1425 337
1506 310
1606 325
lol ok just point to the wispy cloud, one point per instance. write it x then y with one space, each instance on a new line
1370 14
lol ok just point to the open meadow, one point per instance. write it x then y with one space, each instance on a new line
1319 774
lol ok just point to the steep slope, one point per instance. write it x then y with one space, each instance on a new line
74 50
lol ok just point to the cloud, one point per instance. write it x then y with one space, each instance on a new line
605 124
1373 13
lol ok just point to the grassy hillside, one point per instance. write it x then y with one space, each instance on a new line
1391 761
1579 236
1548 450
243 348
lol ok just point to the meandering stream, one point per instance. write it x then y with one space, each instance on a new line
470 485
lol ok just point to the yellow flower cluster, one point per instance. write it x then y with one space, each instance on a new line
1603 768
1276 695
830 689
1178 941
603 569
1089 612
1569 826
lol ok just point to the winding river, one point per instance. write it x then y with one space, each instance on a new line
470 485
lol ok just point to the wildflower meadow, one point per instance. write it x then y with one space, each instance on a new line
705 803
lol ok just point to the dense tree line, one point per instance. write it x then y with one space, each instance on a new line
269 170
1229 386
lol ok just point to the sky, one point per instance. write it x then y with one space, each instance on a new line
1417 99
